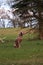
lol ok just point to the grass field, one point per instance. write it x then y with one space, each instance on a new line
30 53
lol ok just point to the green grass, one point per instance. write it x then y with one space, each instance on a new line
30 53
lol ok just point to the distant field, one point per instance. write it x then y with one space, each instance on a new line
12 33
30 53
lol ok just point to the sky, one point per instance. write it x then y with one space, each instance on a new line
4 5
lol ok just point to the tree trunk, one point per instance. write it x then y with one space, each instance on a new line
40 22
41 28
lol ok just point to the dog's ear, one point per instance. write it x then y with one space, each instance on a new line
21 34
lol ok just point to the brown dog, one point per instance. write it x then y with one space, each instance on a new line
18 40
